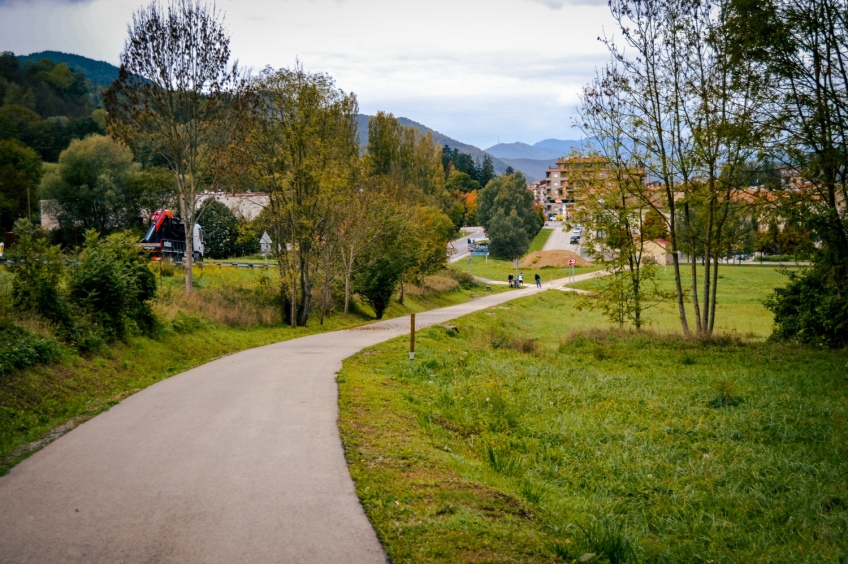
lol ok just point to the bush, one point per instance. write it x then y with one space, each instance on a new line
112 284
38 271
22 349
810 309
220 229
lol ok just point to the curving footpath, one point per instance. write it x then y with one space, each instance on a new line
238 460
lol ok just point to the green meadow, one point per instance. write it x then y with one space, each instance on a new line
533 432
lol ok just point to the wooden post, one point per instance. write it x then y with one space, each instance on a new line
412 337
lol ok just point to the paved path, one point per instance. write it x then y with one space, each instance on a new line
238 460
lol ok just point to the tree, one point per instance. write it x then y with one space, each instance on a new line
20 173
382 264
461 182
304 151
801 46
505 209
148 190
680 106
89 187
178 97
507 235
220 229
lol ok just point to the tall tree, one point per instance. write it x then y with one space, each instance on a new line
305 154
505 208
176 96
681 107
802 47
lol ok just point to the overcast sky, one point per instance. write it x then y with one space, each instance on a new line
480 71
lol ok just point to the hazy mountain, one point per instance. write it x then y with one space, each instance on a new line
533 169
98 72
520 151
559 147
543 150
476 153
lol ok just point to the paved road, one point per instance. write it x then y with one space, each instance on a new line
238 460
461 244
559 240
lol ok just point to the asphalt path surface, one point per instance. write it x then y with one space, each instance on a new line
461 244
238 460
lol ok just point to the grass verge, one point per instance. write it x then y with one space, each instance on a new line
518 438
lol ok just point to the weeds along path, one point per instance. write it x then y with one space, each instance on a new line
238 460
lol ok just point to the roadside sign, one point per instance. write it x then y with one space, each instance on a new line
265 244
572 262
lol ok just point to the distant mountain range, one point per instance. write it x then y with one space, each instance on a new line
532 160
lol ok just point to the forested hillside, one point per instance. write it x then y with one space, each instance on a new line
100 73
45 106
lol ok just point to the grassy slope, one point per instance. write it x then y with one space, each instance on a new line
500 442
39 404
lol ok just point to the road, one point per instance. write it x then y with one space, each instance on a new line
238 460
461 244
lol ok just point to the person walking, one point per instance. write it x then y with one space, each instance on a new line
538 280
521 280
510 280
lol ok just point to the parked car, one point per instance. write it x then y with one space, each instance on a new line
575 239
551 218
578 230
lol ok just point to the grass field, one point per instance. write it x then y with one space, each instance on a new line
740 293
534 434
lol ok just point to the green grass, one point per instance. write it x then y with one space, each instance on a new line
533 434
741 291
539 240
229 310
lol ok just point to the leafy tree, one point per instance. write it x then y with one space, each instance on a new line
801 47
507 235
148 190
178 97
89 187
382 264
304 149
220 228
461 182
20 173
508 197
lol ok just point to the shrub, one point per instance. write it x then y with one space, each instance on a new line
38 271
810 309
113 285
23 348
